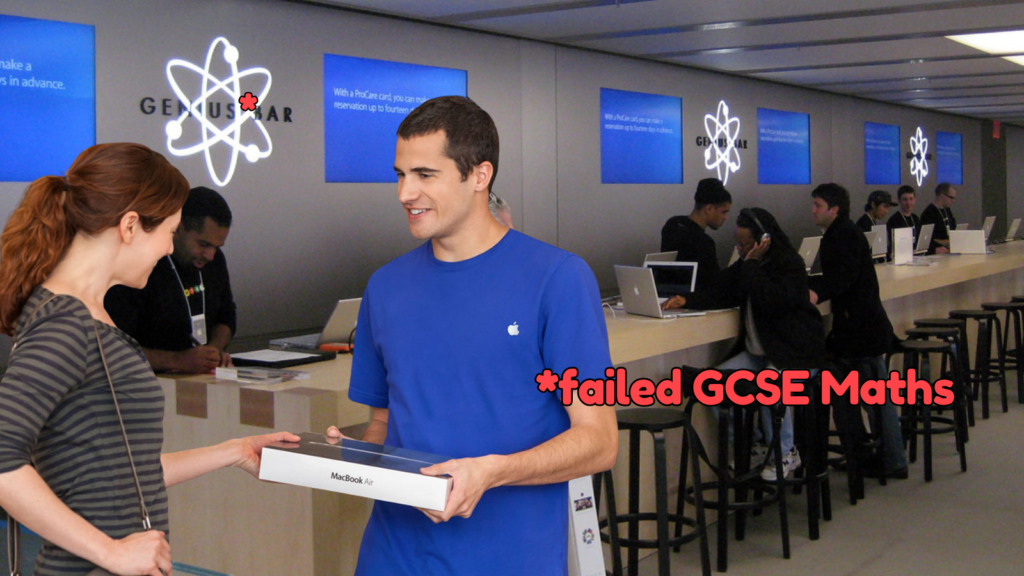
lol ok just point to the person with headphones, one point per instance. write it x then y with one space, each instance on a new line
779 328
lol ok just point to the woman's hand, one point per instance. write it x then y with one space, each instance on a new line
139 553
251 448
674 302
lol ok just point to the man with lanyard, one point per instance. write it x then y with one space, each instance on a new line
687 235
184 318
905 217
451 338
940 213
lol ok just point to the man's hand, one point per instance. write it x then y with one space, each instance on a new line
225 360
198 360
942 250
471 477
814 296
674 302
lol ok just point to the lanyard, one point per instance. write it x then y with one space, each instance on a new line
202 287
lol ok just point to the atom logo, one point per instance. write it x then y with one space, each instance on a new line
919 156
723 132
210 133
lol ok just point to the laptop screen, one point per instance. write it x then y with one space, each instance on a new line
673 278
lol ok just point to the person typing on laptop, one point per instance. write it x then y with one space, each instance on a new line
779 327
687 235
185 317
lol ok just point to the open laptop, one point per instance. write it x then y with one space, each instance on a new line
671 278
967 242
661 257
1011 234
809 251
963 226
879 241
925 239
990 221
640 296
339 328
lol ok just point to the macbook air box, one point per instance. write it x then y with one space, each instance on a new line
357 468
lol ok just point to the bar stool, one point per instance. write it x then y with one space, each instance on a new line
740 481
980 374
1012 354
920 413
654 421
811 423
962 353
950 336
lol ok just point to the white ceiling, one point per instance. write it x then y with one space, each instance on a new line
888 50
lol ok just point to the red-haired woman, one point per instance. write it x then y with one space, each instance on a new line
65 471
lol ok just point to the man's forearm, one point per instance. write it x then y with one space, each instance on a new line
585 448
161 360
220 337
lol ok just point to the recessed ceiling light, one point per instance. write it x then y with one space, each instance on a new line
1011 42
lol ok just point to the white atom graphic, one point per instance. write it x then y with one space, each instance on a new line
919 159
726 158
212 134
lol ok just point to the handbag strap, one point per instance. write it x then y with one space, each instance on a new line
13 528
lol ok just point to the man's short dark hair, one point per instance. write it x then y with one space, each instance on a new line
711 191
905 190
204 203
470 133
943 189
834 195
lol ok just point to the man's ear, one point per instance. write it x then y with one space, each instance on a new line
482 175
130 226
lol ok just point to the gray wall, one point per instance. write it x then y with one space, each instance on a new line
300 243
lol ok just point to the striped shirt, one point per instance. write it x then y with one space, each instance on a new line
56 413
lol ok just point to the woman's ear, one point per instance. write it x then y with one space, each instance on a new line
130 226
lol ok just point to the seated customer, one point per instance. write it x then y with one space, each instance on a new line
184 318
779 328
905 217
875 210
687 234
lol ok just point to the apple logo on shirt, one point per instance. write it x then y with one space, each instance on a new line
513 329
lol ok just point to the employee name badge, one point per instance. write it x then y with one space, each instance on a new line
199 328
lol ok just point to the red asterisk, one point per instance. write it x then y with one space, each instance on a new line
248 101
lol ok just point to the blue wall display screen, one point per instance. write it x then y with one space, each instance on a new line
47 96
881 153
783 147
364 102
949 151
641 138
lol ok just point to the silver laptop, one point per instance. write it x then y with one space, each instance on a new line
1011 234
340 328
640 296
809 251
879 241
967 242
661 257
990 221
963 226
925 239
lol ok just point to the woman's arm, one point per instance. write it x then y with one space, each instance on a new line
27 498
241 453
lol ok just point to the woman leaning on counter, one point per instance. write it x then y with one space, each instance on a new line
65 471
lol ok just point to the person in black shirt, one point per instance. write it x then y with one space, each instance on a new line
905 217
861 332
940 213
185 317
875 210
686 234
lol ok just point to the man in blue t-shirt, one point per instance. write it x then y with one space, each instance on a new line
451 337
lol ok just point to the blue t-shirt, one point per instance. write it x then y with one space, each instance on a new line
452 350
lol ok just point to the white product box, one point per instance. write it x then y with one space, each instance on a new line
357 468
585 555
